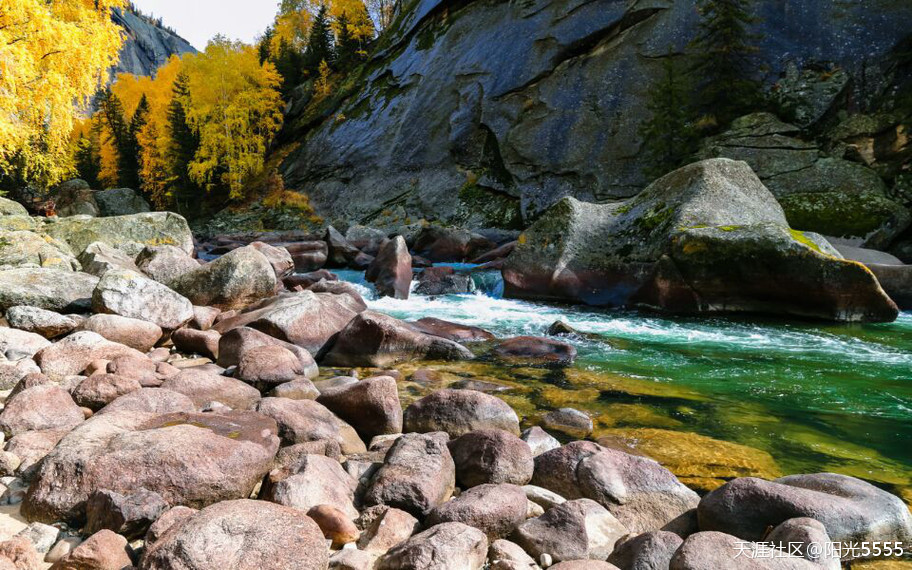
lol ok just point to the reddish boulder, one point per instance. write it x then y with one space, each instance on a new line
371 406
305 420
40 408
135 333
99 390
194 341
452 331
458 412
205 387
391 270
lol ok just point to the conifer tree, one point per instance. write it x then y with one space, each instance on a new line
348 46
121 135
669 137
320 43
87 159
725 56
184 143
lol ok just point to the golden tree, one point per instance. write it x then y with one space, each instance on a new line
52 53
236 108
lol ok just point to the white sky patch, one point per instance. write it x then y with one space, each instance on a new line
198 21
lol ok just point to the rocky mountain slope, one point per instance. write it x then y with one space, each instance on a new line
480 112
149 44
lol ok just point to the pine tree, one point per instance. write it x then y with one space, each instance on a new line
669 135
348 46
120 133
725 58
87 159
320 43
184 144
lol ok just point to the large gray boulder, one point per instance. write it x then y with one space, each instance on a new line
52 289
233 281
240 535
819 193
557 113
12 208
99 258
165 263
120 202
706 238
850 509
637 490
125 450
31 249
130 294
446 546
129 234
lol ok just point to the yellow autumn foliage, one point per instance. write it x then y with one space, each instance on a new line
236 109
292 24
54 55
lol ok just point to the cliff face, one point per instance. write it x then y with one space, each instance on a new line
475 110
148 45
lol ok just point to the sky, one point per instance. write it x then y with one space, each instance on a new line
198 21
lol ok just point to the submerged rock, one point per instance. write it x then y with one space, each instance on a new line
708 238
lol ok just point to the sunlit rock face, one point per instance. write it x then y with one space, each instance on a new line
484 113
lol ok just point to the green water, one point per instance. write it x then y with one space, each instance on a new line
817 397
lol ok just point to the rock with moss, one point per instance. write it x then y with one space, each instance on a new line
707 238
819 193
130 234
46 288
30 249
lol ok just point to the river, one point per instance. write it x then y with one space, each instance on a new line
816 397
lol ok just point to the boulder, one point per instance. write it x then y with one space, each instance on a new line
139 334
12 208
16 344
384 527
190 459
29 381
314 480
569 421
444 280
495 510
73 354
193 341
305 319
99 258
584 565
818 193
171 518
896 281
120 202
165 263
11 372
340 288
45 288
802 537
232 281
129 234
341 253
282 263
31 249
128 515
48 324
272 365
143 370
151 400
447 546
371 406
367 240
539 440
336 525
308 255
451 331
99 390
305 420
532 350
204 317
646 551
458 412
719 551
576 530
241 535
851 510
32 446
104 550
377 340
637 490
444 245
204 387
417 475
506 555
491 456
74 198
391 270
40 408
706 238
301 389
129 294
236 343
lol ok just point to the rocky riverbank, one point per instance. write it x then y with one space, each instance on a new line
167 412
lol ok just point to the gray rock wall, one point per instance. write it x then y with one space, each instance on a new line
476 108
148 45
